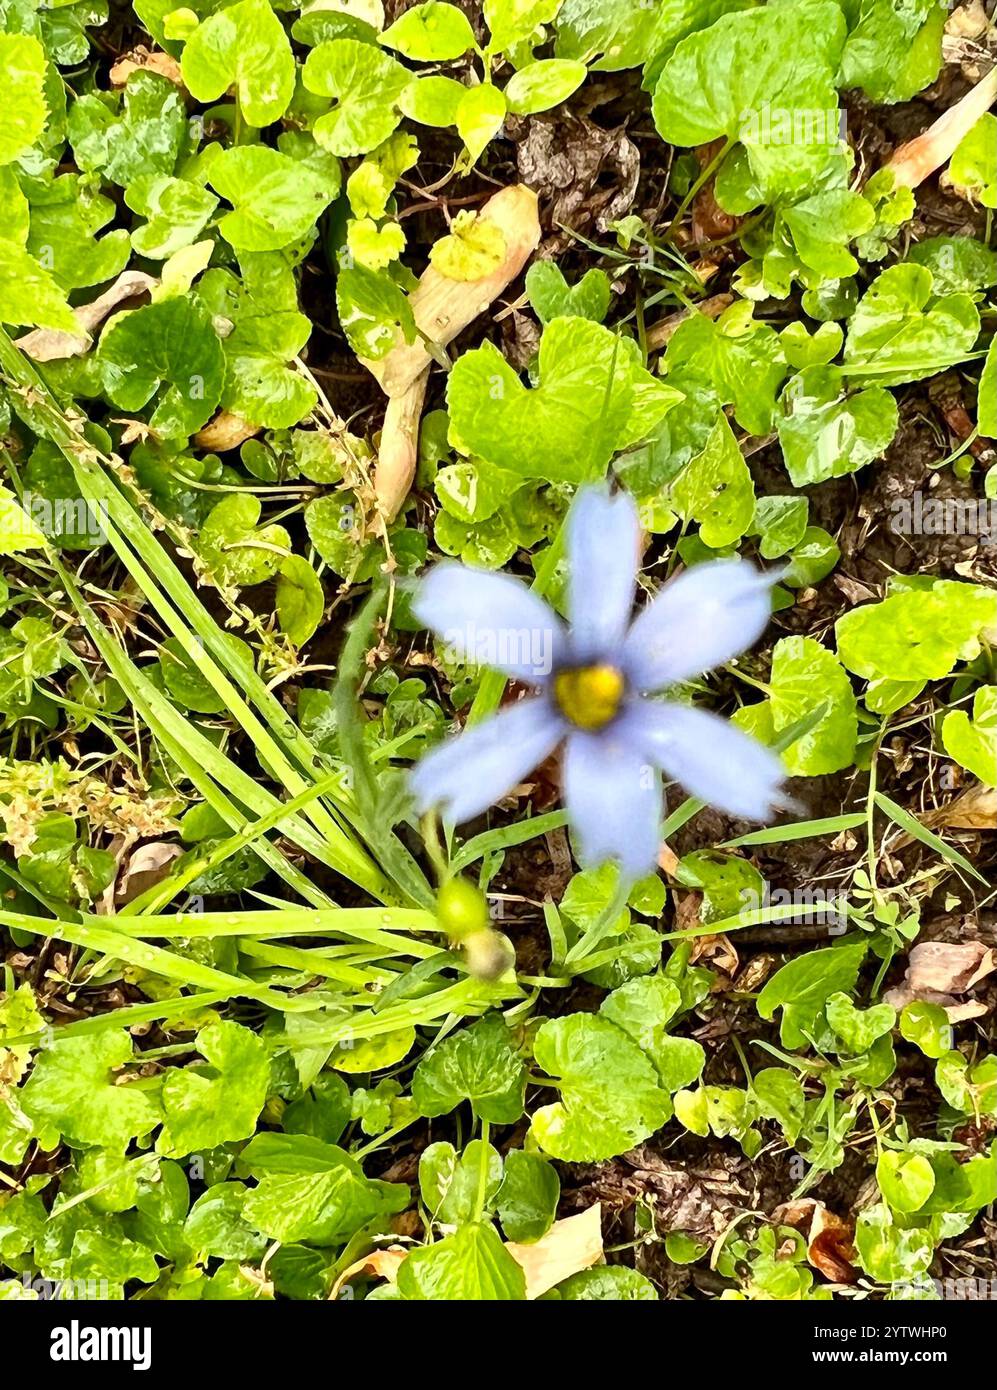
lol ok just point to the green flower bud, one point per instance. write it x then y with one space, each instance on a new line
462 908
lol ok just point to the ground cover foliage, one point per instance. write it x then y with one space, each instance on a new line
297 301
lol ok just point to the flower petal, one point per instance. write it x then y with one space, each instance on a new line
711 758
698 621
492 620
603 535
613 798
466 775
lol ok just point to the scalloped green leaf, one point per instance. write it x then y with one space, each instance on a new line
827 431
168 351
473 249
610 1094
275 199
901 332
268 331
142 132
177 211
918 634
365 85
217 1101
753 77
235 550
593 397
741 357
478 1064
894 47
470 1266
75 1090
63 234
243 46
972 742
609 34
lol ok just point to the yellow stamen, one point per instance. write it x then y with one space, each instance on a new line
589 695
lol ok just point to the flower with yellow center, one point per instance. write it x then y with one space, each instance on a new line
594 681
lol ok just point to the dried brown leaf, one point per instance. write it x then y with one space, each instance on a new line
226 431
381 1263
146 866
948 968
830 1246
975 809
571 1245
142 59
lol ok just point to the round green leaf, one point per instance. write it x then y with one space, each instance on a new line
300 599
541 85
905 1180
276 199
432 101
431 33
365 86
928 1027
244 46
169 348
611 1097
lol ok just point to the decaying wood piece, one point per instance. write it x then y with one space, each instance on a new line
399 450
919 158
53 344
442 308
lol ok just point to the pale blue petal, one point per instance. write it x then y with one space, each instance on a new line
603 535
466 775
712 759
613 797
697 622
492 620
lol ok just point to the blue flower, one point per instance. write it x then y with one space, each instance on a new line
593 686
